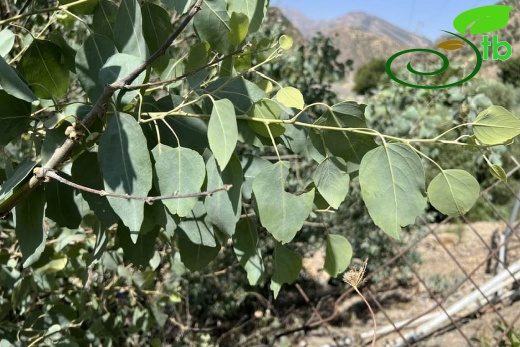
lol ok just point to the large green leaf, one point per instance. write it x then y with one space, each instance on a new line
252 165
453 192
87 172
61 205
338 254
349 146
245 245
222 131
195 257
332 181
119 66
482 19
104 19
224 207
54 138
6 42
291 97
287 266
127 168
14 180
199 56
29 226
254 9
392 186
179 171
156 30
69 54
196 227
238 24
89 60
281 213
241 92
15 116
266 109
12 84
496 125
141 251
181 6
128 30
42 67
212 24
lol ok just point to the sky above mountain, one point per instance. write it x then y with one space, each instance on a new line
423 17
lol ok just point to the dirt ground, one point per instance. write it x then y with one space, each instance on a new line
441 271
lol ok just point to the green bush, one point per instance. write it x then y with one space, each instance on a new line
369 76
510 71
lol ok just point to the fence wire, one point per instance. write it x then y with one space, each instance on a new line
467 289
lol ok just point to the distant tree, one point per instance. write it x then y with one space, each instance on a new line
510 71
369 75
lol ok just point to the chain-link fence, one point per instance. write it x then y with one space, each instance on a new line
464 292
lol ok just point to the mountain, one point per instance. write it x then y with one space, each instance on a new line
359 36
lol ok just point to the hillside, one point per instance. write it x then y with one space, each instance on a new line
359 36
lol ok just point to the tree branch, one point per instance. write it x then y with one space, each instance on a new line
52 174
98 110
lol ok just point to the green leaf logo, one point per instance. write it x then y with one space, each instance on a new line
483 19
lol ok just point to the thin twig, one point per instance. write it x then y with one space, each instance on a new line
187 74
148 199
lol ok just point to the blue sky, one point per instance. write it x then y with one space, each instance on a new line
424 17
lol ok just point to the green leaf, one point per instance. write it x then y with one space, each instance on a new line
224 207
498 172
126 167
496 125
392 186
181 6
15 116
252 165
238 24
281 213
42 67
332 181
12 84
291 97
89 60
266 109
453 192
61 206
196 227
338 255
88 7
484 19
212 24
195 257
141 251
6 42
245 246
14 180
286 42
222 131
156 30
87 172
69 54
104 18
179 171
29 226
241 92
349 146
255 10
199 56
128 30
117 67
287 266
